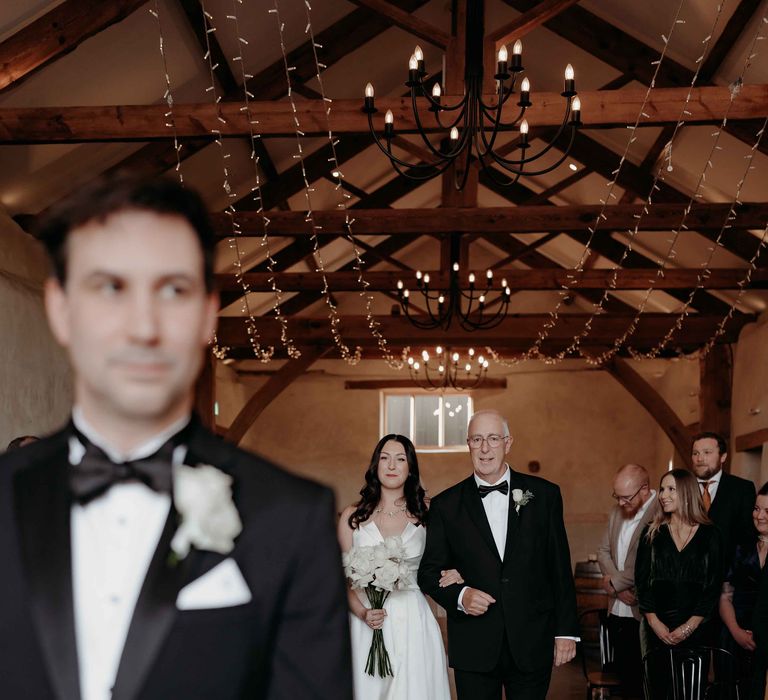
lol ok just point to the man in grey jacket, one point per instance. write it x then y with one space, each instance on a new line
635 507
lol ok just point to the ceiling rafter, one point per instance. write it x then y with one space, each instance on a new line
521 219
56 33
629 55
28 125
552 278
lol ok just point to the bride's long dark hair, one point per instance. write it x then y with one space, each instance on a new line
371 492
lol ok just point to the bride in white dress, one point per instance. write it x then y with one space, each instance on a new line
392 504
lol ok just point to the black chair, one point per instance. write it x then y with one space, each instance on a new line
597 651
690 673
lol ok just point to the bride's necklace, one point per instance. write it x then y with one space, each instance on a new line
391 513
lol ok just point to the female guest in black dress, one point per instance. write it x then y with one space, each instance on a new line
678 574
737 601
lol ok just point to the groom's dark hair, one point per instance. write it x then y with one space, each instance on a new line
119 192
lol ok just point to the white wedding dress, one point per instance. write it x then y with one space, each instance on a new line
411 634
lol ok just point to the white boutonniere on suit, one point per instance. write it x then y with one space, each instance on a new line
209 519
520 499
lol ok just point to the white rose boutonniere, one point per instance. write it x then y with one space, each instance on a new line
209 520
520 499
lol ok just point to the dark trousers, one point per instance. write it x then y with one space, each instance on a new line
627 658
517 684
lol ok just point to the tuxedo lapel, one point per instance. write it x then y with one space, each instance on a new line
43 513
513 517
156 609
474 505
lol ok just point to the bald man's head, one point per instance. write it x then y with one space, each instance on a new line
631 488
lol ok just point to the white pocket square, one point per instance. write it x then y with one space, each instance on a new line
221 587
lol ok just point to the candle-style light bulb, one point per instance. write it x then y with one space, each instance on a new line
416 366
439 350
471 352
389 118
517 48
436 91
455 357
524 127
569 72
485 364
418 54
503 54
467 367
426 278
413 63
489 274
454 134
576 104
410 361
368 99
471 277
399 284
455 267
425 355
525 86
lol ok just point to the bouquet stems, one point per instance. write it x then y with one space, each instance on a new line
378 657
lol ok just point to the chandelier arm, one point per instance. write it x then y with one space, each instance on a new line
504 162
459 117
502 94
423 169
496 318
559 162
439 105
439 154
491 173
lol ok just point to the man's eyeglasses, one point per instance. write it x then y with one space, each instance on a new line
627 499
476 441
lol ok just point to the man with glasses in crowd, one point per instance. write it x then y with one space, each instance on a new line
503 531
635 507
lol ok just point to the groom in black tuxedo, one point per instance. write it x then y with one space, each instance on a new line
504 533
126 574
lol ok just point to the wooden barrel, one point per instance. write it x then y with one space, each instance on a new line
589 594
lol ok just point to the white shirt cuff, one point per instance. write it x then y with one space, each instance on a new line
575 639
459 603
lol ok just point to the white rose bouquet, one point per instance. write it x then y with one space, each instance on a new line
378 570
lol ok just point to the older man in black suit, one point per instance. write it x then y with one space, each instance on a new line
504 532
144 558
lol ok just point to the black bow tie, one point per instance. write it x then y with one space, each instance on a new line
485 490
96 473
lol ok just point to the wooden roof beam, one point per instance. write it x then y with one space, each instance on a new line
528 21
697 329
408 22
600 108
57 33
553 278
521 219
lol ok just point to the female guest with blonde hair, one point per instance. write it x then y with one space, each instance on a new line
677 573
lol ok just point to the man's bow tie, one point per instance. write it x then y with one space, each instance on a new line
485 490
96 473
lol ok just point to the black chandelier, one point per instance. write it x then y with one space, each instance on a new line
447 369
476 305
476 124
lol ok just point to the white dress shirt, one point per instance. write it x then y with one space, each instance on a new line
627 531
114 537
714 482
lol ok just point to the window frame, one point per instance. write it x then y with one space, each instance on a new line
413 393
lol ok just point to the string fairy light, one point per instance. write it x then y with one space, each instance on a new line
351 357
168 95
262 353
285 338
535 351
357 262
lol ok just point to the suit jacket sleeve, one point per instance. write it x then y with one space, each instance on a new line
311 650
437 557
604 556
745 527
559 554
645 598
